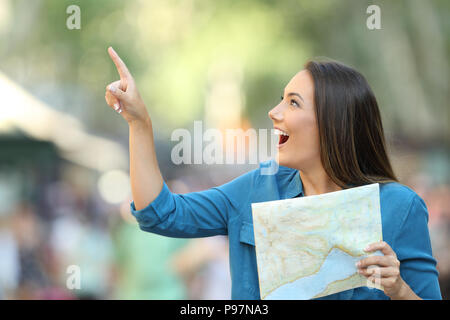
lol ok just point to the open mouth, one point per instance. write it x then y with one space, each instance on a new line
283 137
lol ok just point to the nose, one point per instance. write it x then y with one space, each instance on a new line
276 114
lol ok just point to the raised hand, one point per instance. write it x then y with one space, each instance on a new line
123 96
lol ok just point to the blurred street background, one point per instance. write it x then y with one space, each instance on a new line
64 184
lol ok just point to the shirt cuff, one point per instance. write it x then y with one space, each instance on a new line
155 211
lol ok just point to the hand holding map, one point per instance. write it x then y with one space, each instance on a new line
387 273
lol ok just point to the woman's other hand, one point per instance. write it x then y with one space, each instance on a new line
387 272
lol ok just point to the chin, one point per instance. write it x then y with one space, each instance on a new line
286 161
281 160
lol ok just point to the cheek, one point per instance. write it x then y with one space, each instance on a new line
305 143
304 129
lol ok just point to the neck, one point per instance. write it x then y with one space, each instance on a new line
316 181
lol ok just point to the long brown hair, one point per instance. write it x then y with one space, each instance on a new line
352 142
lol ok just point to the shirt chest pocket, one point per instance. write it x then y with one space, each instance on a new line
246 234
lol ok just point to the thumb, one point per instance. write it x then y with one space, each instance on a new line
118 93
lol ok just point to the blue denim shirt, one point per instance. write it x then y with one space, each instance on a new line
226 210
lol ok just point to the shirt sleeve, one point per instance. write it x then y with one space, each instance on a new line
191 215
413 249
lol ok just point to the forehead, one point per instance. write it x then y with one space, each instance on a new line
301 83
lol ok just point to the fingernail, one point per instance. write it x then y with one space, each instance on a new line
357 264
112 88
367 248
116 106
120 110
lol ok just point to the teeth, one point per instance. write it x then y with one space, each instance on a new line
276 131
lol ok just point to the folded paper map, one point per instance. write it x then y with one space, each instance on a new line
307 247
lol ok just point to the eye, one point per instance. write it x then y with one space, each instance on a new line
293 101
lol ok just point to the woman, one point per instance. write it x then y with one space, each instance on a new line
331 138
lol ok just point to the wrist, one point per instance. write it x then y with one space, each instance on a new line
402 292
140 123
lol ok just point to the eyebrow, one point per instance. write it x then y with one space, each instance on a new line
295 94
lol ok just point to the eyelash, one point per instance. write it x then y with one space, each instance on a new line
290 101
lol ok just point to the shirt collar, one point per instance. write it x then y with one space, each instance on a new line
294 185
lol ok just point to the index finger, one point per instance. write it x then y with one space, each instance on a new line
120 65
382 246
